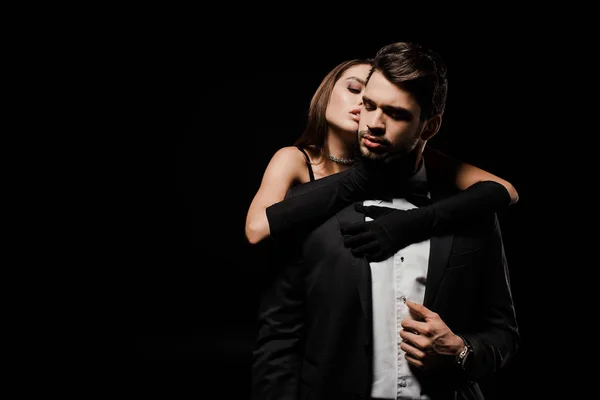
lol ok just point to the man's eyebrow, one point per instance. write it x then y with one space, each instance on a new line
354 78
398 111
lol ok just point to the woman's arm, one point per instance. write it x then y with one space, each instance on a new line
282 171
461 174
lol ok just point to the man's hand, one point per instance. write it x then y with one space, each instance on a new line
427 340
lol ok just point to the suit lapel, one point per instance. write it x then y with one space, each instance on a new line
439 251
360 267
363 285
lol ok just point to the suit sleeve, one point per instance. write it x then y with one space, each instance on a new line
278 347
496 339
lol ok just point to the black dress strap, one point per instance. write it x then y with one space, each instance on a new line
308 164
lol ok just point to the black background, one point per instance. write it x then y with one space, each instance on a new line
237 102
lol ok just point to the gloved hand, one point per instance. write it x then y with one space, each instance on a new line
365 178
390 231
394 229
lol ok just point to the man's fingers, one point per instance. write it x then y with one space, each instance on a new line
419 309
415 326
412 351
419 341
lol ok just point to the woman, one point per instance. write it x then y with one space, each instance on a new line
327 145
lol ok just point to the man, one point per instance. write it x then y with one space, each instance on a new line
349 319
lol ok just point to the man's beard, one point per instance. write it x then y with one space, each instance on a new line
389 151
366 152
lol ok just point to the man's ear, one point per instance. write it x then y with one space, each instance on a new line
431 127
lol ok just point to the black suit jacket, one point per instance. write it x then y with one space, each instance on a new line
315 331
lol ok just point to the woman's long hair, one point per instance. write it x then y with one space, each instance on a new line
315 132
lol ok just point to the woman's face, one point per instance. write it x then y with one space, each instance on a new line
343 111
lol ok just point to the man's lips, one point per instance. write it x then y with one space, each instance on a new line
372 143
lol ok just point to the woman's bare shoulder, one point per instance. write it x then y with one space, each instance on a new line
288 160
289 154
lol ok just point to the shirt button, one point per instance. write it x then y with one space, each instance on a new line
402 259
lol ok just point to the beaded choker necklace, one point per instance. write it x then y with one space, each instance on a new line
346 161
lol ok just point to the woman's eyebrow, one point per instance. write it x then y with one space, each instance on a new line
354 78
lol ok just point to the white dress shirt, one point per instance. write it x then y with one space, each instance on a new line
393 281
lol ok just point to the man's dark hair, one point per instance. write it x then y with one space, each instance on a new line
417 69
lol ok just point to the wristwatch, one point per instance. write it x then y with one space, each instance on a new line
461 358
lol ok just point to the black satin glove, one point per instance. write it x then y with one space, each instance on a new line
366 178
394 229
390 231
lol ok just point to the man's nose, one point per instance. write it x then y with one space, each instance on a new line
376 123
